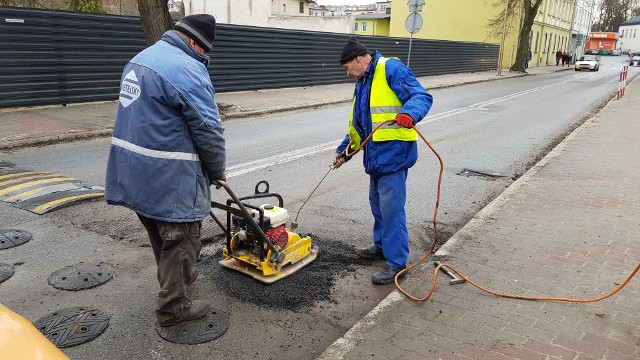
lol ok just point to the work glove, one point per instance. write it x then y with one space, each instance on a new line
404 120
338 160
216 183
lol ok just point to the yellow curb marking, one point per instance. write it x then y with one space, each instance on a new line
44 207
13 181
31 183
30 192
21 174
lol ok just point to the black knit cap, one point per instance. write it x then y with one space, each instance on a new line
200 27
351 49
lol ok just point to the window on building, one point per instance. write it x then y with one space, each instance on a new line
537 38
355 27
364 27
284 8
301 7
634 32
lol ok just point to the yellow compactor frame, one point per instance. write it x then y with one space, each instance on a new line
299 252
277 263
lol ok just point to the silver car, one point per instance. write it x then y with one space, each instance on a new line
588 62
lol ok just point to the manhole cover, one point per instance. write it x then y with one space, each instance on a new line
72 326
11 238
80 276
6 271
196 331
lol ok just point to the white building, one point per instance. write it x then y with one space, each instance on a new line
630 34
383 7
583 16
284 14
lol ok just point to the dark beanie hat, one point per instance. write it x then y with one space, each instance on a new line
351 49
201 28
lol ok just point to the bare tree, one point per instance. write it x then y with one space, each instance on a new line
614 12
520 12
155 18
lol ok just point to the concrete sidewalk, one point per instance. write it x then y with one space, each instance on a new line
567 228
46 125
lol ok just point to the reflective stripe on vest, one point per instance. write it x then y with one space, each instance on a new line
384 105
172 155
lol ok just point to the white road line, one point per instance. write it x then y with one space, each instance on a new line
264 163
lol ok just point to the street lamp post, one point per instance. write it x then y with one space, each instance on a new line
504 30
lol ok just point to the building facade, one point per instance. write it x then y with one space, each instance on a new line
583 15
602 41
286 14
630 34
551 31
372 24
467 21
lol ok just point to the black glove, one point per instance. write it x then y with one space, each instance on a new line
216 183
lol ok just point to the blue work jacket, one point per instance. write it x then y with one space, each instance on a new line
385 157
168 138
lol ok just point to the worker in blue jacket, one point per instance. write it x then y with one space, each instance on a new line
167 149
386 89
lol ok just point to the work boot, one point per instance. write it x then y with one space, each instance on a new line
386 275
370 253
189 310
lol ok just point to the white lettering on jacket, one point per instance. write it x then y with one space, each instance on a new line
130 90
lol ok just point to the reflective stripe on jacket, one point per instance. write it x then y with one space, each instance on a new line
383 156
384 105
167 138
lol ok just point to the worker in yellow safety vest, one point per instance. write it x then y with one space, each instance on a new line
386 89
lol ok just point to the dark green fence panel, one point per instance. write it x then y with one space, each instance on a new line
57 57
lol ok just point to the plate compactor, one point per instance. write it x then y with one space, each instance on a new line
259 243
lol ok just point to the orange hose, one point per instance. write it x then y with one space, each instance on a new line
435 240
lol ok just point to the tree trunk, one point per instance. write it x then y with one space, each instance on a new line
530 12
155 18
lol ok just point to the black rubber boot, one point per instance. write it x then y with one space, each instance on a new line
370 253
386 275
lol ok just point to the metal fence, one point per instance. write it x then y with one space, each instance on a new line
57 57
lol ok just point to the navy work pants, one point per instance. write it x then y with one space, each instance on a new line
387 196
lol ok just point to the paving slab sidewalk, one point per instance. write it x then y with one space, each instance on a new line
567 228
45 125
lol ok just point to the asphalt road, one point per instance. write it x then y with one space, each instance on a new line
498 128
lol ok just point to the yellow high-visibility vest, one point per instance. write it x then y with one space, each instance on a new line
384 105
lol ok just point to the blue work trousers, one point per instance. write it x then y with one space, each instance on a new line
387 196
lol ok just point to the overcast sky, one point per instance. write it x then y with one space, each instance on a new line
345 2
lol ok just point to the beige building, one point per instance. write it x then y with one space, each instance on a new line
285 14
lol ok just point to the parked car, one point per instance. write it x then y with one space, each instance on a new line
603 52
591 52
588 62
616 52
634 60
626 51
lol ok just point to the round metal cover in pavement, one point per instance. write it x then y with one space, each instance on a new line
198 331
6 271
72 326
10 238
80 276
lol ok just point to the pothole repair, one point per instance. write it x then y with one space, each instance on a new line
298 291
480 174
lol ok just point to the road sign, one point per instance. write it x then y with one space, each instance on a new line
413 23
415 5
